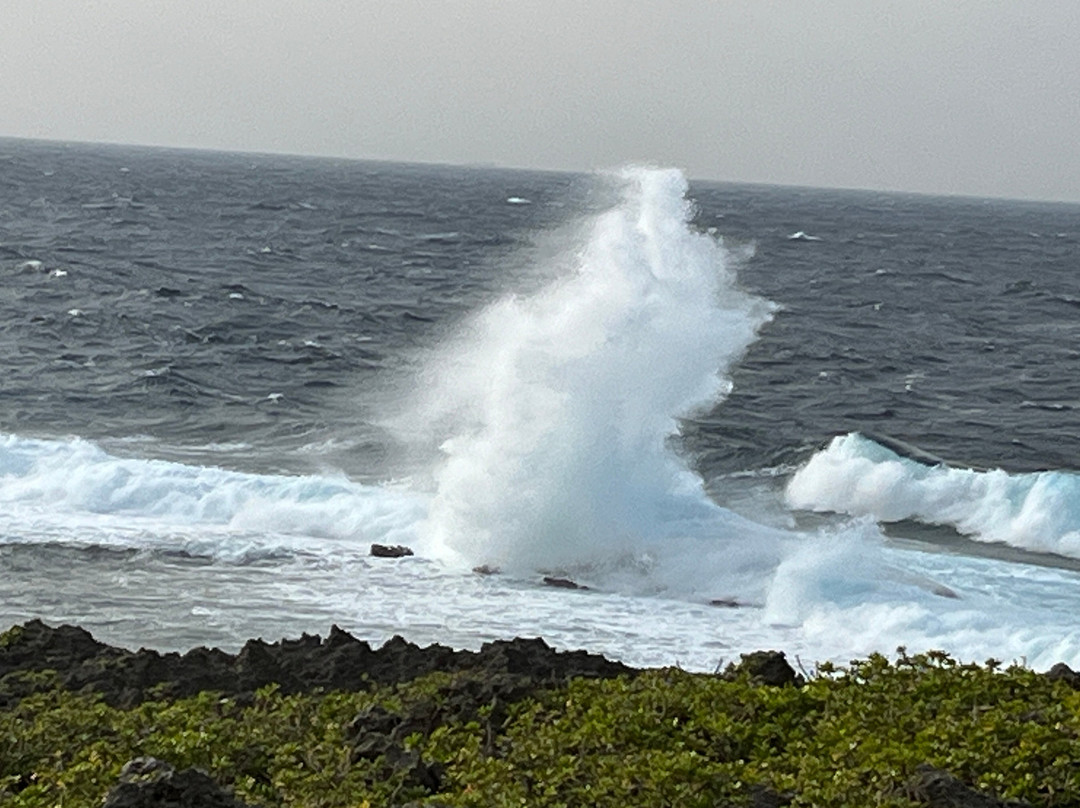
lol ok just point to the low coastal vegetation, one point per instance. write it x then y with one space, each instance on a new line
520 724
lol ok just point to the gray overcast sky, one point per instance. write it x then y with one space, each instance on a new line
956 96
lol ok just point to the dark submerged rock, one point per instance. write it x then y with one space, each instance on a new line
563 583
147 782
726 603
390 551
943 591
936 788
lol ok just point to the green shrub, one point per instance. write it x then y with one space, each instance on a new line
850 737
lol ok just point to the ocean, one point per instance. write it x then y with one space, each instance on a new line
739 417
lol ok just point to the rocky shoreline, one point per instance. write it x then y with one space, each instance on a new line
480 689
338 662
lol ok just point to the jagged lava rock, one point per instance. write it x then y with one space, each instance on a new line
765 667
339 662
932 787
147 782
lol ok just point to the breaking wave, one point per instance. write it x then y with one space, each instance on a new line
73 490
855 475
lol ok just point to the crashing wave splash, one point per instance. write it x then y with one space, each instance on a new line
554 411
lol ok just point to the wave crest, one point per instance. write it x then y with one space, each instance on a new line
855 475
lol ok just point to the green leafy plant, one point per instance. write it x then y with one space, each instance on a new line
851 736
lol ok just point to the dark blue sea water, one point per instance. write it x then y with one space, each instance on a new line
225 375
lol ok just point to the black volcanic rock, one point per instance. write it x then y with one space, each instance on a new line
151 783
339 662
1066 674
935 788
36 646
390 551
563 583
765 667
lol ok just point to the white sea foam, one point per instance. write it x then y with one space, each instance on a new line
854 475
53 490
831 595
554 411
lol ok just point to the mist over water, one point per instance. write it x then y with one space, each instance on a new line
554 411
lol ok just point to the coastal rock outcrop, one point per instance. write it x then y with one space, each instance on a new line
1062 672
766 668
934 788
563 583
147 782
338 662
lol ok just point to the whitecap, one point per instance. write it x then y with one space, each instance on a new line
855 475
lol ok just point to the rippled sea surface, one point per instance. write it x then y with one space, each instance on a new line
194 285
266 317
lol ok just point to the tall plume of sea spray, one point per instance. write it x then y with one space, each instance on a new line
554 410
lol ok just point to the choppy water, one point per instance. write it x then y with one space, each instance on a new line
226 375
